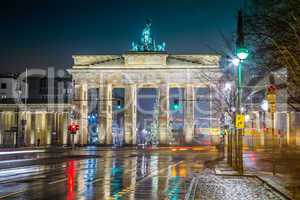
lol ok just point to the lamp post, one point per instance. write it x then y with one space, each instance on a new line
242 54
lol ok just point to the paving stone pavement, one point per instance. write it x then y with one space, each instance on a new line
211 186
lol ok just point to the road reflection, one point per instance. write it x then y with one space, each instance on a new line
71 178
127 174
116 178
141 177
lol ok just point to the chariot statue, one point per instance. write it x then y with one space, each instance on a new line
147 43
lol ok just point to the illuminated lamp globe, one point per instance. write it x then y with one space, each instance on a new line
242 53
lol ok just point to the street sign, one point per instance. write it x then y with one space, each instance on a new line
271 102
240 121
272 107
271 98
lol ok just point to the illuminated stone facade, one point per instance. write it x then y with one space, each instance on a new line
135 70
46 124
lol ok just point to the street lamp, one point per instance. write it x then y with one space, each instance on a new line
242 54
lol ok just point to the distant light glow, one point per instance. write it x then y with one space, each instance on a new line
227 86
233 109
235 61
264 105
243 109
247 118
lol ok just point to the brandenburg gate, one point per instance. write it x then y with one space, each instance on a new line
147 65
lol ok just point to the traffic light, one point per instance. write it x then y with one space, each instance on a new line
271 89
119 105
73 128
176 105
222 133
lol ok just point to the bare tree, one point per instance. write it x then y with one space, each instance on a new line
273 35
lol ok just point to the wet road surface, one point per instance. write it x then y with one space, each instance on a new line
116 174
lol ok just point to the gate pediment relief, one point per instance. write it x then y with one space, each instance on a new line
145 59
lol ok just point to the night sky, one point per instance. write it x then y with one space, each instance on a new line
46 33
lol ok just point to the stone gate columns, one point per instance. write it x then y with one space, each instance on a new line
288 127
84 113
292 130
163 113
189 113
130 114
105 132
28 128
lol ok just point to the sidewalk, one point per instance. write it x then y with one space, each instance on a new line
232 187
279 183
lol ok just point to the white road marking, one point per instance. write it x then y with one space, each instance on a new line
58 181
12 194
20 152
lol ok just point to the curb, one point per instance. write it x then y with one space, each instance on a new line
284 194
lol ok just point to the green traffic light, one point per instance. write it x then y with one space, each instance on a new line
119 106
176 105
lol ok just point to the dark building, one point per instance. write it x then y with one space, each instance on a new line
43 89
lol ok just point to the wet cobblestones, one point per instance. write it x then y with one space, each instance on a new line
211 186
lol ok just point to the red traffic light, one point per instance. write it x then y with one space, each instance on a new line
73 128
271 89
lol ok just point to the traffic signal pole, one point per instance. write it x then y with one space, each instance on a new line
271 97
273 143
